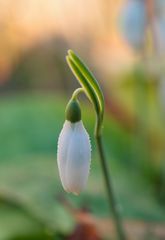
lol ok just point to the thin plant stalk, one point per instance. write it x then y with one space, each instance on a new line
92 90
109 188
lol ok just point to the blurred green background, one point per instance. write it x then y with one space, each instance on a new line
35 86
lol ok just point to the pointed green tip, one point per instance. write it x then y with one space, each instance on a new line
73 111
70 52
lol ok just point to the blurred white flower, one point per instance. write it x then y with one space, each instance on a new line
74 156
133 22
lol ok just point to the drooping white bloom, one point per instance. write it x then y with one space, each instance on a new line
73 156
133 22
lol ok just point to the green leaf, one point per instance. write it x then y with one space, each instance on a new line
84 83
89 77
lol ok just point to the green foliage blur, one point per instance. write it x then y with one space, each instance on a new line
29 183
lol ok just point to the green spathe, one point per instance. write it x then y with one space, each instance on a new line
73 111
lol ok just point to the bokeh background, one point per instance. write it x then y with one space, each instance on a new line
123 42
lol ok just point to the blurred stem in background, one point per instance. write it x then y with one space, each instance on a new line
111 196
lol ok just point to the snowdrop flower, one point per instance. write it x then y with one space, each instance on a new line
133 22
74 151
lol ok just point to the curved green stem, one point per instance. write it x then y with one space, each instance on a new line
109 188
77 92
93 92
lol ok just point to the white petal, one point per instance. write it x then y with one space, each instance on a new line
78 159
63 143
73 156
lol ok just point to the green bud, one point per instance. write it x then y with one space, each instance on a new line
73 111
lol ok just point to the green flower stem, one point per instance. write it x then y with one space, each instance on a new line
93 92
76 93
109 188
